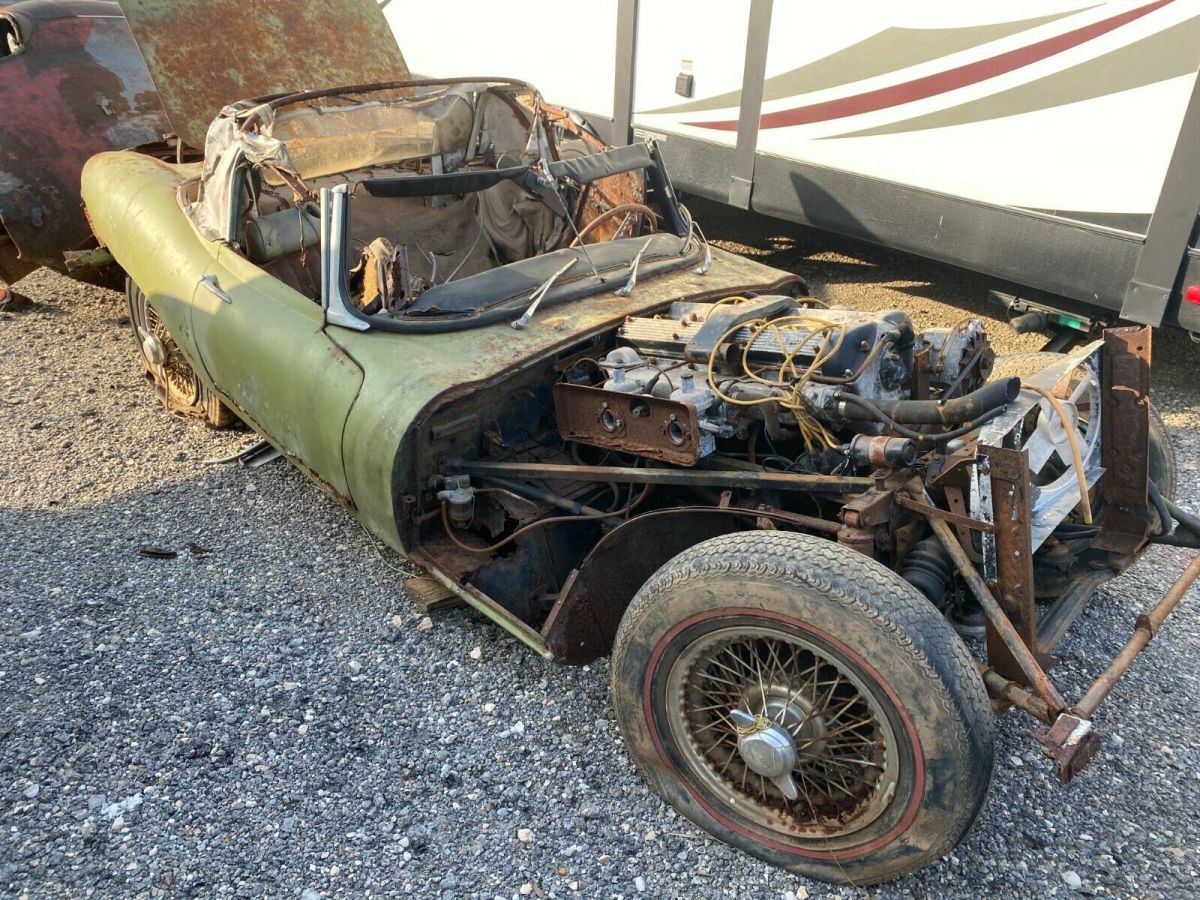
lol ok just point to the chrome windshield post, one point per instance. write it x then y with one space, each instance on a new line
335 227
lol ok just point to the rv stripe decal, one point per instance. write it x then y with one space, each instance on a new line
882 53
941 82
1170 53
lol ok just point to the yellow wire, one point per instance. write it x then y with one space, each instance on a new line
811 430
734 299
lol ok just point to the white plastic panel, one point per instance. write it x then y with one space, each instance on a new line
566 50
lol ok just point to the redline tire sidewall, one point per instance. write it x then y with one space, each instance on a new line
899 816
897 644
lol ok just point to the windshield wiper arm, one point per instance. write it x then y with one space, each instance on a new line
633 270
541 292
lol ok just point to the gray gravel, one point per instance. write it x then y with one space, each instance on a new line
267 719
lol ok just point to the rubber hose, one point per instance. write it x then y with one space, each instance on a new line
1182 516
1165 519
992 395
876 414
928 568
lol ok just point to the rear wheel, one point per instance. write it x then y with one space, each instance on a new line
164 365
804 704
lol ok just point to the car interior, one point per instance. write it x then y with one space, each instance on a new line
464 200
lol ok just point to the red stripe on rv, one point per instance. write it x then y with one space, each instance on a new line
940 83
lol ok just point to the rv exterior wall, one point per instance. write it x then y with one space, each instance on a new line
1027 139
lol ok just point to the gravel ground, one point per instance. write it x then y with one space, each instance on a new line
269 720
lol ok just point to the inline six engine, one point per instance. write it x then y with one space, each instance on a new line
677 382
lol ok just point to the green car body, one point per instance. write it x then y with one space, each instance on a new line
567 437
343 405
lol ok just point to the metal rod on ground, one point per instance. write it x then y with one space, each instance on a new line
1038 679
1147 626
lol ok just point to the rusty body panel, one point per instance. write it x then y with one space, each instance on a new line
75 87
584 620
204 54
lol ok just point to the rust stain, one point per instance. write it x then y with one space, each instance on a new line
204 54
77 87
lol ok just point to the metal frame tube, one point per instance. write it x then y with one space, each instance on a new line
762 480
1147 626
1021 652
1001 688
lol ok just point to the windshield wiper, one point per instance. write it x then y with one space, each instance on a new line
539 294
633 270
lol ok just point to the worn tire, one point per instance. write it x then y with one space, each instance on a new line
183 393
871 622
1163 469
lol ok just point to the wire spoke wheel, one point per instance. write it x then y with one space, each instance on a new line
734 686
166 367
175 375
804 704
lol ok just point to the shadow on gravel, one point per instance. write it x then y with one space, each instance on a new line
833 259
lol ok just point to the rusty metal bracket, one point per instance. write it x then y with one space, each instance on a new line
1012 577
642 424
936 512
1125 430
1071 743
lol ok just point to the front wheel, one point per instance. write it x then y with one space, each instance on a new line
804 704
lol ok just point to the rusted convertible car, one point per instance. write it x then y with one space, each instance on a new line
73 83
510 353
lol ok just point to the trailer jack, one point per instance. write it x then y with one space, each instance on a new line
1053 316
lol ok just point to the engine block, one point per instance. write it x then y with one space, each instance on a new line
677 382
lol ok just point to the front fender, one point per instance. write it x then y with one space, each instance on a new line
584 621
